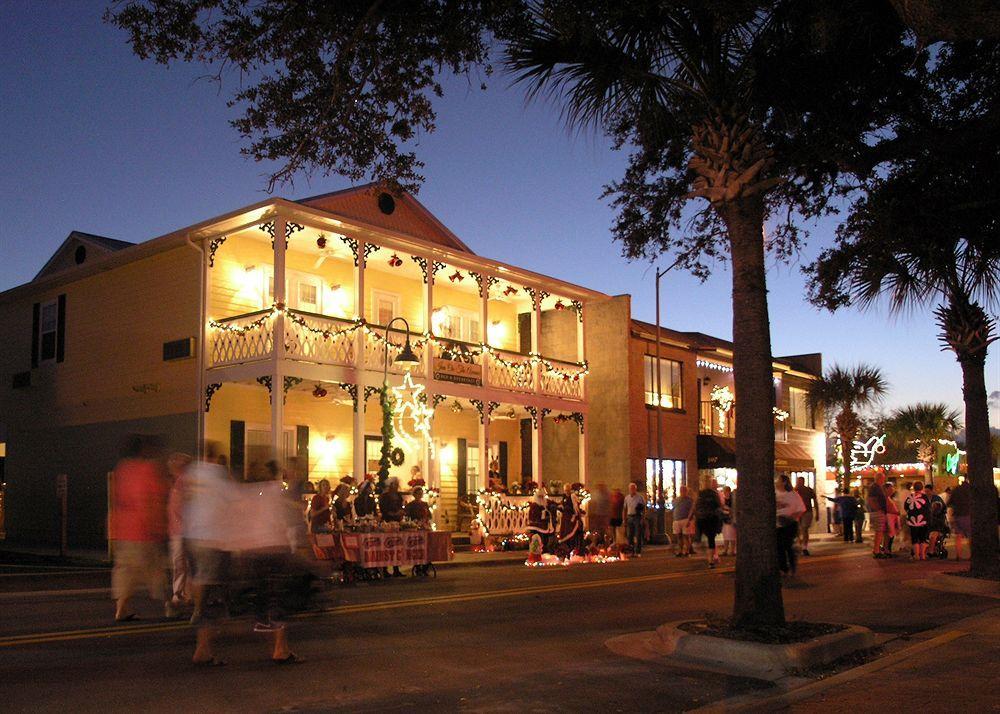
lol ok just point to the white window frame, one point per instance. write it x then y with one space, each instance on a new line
384 295
466 318
669 398
794 417
54 304
293 279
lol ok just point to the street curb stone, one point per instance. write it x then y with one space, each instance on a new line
756 659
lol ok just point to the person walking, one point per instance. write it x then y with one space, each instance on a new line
599 511
877 507
892 518
617 504
789 509
859 516
918 517
320 509
808 496
937 525
960 506
708 519
728 522
683 506
633 509
177 466
138 526
848 506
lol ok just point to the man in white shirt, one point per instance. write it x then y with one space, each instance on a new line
632 511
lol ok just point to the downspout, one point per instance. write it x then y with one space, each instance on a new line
200 354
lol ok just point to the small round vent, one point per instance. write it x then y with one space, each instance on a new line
386 203
80 255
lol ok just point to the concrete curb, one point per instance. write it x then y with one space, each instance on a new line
958 584
759 660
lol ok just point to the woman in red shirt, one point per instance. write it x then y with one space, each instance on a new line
319 508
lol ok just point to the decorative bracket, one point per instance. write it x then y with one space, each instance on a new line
536 296
351 389
287 384
353 245
485 410
422 262
214 245
291 227
265 381
537 415
369 393
435 399
578 306
210 391
369 249
479 278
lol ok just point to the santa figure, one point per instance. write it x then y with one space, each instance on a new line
540 520
571 523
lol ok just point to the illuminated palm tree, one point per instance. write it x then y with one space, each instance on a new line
847 390
926 425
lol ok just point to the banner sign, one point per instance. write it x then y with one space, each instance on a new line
449 370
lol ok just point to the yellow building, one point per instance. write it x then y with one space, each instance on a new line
265 330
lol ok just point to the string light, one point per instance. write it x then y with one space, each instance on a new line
714 365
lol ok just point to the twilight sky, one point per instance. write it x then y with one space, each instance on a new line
96 140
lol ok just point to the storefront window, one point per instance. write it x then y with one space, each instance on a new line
670 382
674 476
801 414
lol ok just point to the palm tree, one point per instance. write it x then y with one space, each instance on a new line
925 424
692 87
847 390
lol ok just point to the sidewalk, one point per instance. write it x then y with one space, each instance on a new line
953 668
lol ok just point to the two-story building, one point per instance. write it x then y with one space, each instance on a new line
265 330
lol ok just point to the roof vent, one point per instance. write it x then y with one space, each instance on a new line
386 203
80 255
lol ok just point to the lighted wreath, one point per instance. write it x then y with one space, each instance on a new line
722 398
396 457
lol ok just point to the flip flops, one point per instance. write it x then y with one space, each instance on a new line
292 658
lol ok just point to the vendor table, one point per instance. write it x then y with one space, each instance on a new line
384 549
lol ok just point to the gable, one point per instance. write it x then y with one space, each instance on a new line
79 249
401 214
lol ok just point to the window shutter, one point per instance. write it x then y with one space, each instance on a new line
61 329
237 447
526 436
463 467
36 317
302 447
503 462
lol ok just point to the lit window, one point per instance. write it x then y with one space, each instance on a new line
801 414
308 295
671 384
673 478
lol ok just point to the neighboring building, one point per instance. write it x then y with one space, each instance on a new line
264 331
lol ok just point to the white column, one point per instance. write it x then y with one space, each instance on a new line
484 456
360 465
536 328
581 349
583 475
277 391
536 451
428 325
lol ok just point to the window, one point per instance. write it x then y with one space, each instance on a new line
302 291
308 295
456 324
801 414
385 306
671 385
47 327
673 478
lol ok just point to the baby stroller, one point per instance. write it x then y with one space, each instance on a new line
937 549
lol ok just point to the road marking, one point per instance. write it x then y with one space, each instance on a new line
119 630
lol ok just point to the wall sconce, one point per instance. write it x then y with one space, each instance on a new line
496 332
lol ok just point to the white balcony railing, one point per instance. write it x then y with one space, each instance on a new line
243 338
375 348
318 338
565 380
510 370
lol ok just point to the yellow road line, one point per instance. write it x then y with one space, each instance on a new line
119 630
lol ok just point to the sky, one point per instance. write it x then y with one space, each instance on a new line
94 139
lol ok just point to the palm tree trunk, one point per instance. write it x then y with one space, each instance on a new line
847 430
757 602
985 544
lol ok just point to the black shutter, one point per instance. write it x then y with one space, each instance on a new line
503 463
237 447
302 447
61 330
527 434
524 332
36 317
463 468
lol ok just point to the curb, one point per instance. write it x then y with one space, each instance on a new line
757 659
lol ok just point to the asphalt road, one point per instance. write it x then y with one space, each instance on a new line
504 638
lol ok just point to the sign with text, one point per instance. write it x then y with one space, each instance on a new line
382 550
449 370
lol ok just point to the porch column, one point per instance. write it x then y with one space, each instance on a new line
581 350
536 327
359 464
428 325
277 390
427 450
536 450
484 449
202 349
582 445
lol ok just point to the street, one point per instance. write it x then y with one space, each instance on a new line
503 638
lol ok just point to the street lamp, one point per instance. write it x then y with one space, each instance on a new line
407 358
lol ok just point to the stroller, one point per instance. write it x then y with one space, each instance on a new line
937 549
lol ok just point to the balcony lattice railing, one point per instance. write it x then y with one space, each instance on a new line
375 348
319 338
510 370
242 338
564 381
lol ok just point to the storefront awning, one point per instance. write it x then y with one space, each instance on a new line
718 452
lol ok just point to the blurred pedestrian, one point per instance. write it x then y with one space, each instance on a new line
728 521
177 466
808 496
571 519
892 517
960 506
417 510
390 504
938 524
138 526
877 514
599 511
683 506
708 519
789 509
616 504
365 500
633 508
847 505
859 516
342 499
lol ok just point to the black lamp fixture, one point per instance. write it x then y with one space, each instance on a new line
406 357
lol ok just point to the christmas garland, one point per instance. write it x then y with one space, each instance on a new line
385 459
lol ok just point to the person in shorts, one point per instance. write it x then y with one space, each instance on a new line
918 516
877 507
960 505
683 505
708 519
808 496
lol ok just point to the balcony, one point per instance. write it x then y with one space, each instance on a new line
241 338
710 422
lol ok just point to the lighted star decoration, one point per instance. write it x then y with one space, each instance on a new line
407 405
863 453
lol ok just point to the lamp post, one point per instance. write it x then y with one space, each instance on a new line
407 358
661 516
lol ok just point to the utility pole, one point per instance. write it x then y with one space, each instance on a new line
661 505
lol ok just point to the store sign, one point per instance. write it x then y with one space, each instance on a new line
448 370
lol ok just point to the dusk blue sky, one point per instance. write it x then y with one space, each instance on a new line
96 140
